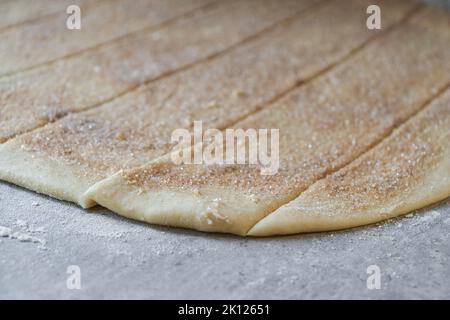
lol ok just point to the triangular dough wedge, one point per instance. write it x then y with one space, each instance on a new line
407 171
48 93
65 158
323 126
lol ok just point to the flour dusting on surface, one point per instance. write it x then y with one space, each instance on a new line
6 232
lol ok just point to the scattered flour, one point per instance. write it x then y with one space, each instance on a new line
21 223
22 237
426 218
257 282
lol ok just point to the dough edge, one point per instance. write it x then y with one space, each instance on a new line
235 213
434 187
42 174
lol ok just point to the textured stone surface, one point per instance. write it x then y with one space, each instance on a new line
125 259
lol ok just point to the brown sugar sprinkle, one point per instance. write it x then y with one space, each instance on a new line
246 178
121 136
96 144
322 126
392 168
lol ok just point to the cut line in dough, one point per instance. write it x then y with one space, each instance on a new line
46 40
16 12
323 126
86 80
331 175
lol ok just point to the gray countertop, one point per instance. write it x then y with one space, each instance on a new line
119 258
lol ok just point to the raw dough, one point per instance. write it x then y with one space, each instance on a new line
47 39
409 170
98 75
64 159
324 126
13 12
